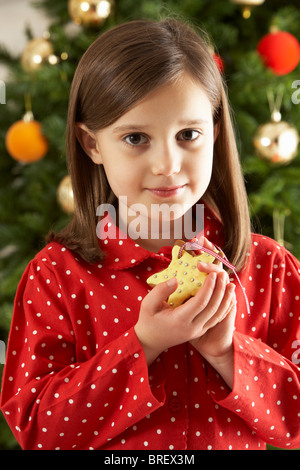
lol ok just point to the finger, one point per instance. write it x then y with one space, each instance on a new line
198 303
232 303
221 308
228 318
217 295
209 267
208 306
213 268
207 244
204 242
160 293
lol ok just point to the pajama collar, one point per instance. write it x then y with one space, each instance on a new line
122 252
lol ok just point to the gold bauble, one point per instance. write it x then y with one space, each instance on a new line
249 3
90 12
65 195
247 6
37 52
277 141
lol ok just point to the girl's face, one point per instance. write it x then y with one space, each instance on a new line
161 150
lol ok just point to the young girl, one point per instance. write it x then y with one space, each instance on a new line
96 358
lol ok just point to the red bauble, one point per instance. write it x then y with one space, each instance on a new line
219 62
280 52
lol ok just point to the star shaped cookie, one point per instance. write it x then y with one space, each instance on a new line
190 279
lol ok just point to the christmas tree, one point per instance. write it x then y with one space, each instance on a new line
32 193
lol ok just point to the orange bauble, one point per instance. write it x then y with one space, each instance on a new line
25 141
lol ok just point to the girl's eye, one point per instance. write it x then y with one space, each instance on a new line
189 135
135 139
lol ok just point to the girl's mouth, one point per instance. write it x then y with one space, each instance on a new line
165 192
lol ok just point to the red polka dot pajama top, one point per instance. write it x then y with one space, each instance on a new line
76 375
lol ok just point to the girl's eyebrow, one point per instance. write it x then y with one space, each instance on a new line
134 127
193 122
128 128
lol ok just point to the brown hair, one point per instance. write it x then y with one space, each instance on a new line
118 70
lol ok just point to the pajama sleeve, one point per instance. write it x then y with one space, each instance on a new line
266 390
52 399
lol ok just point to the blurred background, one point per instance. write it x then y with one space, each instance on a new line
255 45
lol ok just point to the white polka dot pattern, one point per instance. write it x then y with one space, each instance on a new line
76 375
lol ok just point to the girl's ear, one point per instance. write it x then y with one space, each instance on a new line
88 142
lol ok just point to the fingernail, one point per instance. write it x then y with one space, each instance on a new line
172 282
213 276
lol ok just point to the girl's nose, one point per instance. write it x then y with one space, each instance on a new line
166 161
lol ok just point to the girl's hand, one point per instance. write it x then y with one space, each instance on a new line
160 327
217 340
216 344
